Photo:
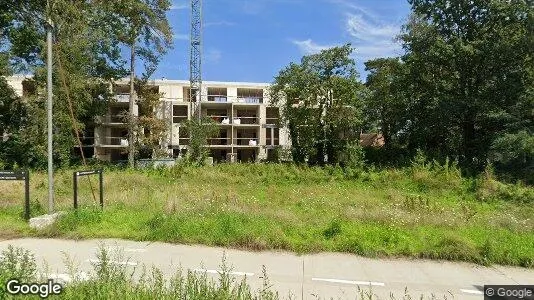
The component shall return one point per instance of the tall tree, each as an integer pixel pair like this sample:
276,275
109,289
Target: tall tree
385,107
143,27
152,127
469,66
86,59
321,104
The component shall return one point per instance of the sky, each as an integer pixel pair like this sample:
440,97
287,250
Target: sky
252,40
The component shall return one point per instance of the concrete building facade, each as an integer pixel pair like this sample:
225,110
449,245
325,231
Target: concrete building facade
249,126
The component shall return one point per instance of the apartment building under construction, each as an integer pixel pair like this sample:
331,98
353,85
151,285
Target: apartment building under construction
248,125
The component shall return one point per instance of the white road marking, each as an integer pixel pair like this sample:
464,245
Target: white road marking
139,250
476,292
63,277
66,278
118,248
129,263
349,281
220,272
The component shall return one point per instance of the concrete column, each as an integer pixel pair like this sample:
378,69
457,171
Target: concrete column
232,94
204,93
262,119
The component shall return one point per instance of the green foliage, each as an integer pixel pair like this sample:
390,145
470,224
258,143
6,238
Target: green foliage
490,189
152,129
385,105
85,60
321,105
427,209
109,280
16,263
87,56
199,132
463,89
514,154
468,70
142,26
333,229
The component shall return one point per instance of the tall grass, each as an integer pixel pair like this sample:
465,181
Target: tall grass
426,210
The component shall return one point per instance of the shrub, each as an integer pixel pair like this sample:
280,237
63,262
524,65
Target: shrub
488,188
16,263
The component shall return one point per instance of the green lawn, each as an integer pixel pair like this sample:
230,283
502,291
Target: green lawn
422,211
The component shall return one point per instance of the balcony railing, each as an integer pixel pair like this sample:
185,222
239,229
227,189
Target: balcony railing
246,141
246,120
217,98
234,99
111,119
219,141
122,98
250,100
113,141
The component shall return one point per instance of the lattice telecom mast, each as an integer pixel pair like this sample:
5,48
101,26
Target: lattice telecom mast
195,60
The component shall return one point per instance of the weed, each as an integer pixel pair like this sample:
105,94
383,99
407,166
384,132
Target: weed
333,229
406,211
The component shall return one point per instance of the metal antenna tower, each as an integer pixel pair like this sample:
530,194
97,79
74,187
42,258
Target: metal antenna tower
195,60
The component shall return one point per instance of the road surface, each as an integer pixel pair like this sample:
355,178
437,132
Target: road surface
324,275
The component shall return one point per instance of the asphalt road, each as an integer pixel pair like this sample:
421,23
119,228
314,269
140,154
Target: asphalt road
324,275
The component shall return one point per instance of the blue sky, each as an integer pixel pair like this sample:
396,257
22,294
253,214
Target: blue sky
251,40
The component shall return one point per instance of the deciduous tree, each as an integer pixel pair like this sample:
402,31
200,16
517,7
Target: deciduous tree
321,105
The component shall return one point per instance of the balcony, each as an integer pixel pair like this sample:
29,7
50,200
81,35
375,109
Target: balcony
224,141
179,114
246,121
248,137
249,100
86,142
250,142
218,98
122,98
113,120
113,142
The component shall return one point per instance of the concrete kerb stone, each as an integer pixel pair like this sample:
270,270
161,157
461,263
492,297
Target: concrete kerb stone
44,221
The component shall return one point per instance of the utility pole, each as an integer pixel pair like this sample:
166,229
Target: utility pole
131,108
49,27
195,62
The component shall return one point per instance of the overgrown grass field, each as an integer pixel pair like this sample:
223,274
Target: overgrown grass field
423,211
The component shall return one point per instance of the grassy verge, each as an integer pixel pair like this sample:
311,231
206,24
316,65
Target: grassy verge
426,211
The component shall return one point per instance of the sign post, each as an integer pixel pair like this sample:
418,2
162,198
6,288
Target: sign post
77,174
23,175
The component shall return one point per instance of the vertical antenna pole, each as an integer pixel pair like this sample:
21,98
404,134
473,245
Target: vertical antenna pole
195,62
49,113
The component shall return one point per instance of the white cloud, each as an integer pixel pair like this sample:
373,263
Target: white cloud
356,8
308,46
219,23
364,30
372,38
213,55
371,35
181,36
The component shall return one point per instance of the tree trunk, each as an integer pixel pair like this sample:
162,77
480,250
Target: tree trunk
131,146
